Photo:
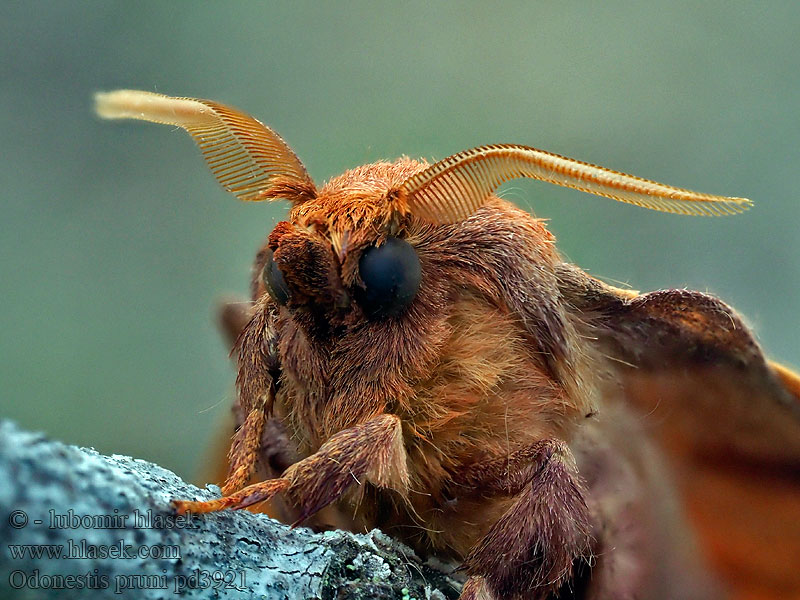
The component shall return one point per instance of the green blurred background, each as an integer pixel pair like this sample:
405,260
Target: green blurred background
117,242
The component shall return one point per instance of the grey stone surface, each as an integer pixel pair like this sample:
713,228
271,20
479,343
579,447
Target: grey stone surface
62,499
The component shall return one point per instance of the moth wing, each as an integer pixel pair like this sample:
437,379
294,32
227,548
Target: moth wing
728,418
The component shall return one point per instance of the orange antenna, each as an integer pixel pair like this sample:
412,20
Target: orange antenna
247,157
455,187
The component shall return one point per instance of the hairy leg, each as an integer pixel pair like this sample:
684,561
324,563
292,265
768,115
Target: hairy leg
257,384
244,452
370,452
531,550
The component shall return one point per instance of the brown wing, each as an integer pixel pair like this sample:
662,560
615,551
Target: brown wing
728,418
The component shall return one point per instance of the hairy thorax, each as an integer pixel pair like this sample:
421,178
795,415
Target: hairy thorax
473,372
477,393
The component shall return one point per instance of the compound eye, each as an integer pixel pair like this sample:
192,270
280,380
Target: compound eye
391,274
274,281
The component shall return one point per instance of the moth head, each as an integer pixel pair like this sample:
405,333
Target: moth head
340,244
345,253
347,250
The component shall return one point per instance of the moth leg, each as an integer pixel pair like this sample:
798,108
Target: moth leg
245,448
370,452
259,373
476,588
248,444
252,494
530,551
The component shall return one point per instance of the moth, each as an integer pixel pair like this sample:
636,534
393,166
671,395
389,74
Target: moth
419,358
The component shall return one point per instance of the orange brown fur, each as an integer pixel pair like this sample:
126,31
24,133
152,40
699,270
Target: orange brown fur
474,395
490,361
469,377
